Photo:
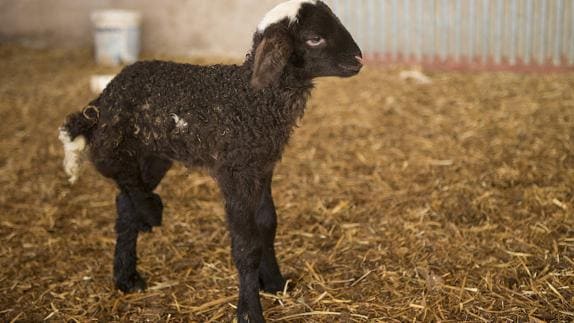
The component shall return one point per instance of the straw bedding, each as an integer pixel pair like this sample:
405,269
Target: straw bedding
451,201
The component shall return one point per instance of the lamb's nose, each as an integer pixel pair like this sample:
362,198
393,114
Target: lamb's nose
359,60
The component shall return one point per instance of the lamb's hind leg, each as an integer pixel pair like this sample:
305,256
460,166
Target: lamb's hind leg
138,208
153,169
126,277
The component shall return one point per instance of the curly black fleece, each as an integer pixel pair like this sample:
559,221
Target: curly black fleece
200,115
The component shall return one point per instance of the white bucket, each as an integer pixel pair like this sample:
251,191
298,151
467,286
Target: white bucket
99,82
117,36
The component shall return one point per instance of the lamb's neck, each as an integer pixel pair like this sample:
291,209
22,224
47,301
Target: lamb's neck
294,87
293,77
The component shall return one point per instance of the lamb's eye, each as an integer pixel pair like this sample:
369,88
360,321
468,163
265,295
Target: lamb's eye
315,41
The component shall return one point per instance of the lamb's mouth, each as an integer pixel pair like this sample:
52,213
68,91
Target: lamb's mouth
351,69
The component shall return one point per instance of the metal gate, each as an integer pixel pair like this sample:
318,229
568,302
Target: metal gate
463,33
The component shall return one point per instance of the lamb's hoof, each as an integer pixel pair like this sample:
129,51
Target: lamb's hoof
273,286
132,283
244,317
144,227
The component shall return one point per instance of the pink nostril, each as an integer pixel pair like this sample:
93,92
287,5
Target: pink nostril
359,59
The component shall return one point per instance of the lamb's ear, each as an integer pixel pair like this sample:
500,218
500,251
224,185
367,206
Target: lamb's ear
271,56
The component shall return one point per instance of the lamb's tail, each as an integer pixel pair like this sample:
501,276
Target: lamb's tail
75,135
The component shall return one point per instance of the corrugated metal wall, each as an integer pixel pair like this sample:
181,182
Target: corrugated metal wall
463,32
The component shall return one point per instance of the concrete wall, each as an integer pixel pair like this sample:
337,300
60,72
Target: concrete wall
180,27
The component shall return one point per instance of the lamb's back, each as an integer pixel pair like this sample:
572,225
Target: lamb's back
194,113
169,85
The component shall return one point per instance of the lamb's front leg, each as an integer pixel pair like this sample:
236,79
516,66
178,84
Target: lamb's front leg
242,194
270,276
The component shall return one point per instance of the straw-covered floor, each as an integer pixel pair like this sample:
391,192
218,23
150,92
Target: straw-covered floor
452,201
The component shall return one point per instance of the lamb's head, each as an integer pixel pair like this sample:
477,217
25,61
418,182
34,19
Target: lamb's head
306,35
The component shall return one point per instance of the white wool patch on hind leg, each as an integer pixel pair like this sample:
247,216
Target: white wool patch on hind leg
288,9
73,154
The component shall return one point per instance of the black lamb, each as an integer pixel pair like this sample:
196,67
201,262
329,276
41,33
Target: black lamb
232,120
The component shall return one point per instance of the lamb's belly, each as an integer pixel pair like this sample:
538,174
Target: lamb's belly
189,149
207,143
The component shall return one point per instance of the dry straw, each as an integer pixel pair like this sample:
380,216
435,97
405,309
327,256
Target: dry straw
450,201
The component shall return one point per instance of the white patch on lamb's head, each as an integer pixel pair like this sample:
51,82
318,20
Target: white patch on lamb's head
288,9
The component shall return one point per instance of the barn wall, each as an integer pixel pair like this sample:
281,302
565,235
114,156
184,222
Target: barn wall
459,32
480,32
182,27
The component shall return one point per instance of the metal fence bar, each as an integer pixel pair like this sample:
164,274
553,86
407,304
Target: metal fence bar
485,31
406,29
513,32
358,22
457,31
566,30
571,57
443,20
569,33
382,46
431,30
497,46
395,30
419,29
559,15
528,30
471,28
371,25
347,10
542,32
